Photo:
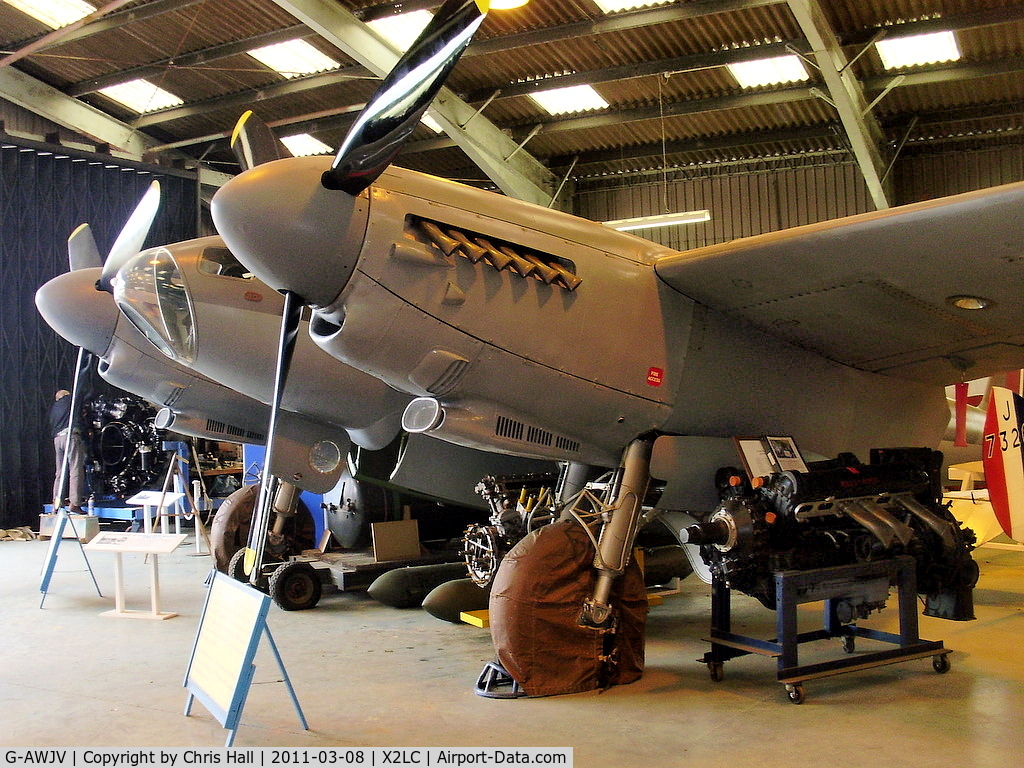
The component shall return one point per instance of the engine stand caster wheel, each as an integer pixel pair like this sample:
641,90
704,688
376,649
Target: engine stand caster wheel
795,693
941,663
717,671
849,643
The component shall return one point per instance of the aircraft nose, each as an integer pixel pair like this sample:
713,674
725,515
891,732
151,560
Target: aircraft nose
294,234
82,315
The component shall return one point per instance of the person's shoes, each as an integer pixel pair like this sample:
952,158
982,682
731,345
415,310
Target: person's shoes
74,509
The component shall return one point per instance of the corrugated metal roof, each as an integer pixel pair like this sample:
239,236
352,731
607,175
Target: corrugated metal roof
671,99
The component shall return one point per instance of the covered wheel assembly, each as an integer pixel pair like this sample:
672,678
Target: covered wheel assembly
230,530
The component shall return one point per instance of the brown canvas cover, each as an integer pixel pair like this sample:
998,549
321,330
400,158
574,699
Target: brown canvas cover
535,605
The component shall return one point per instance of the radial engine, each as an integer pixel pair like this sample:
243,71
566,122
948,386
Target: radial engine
842,512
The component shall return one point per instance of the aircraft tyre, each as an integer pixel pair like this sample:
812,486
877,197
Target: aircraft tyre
235,567
295,586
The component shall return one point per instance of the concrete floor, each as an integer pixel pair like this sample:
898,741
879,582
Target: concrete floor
369,675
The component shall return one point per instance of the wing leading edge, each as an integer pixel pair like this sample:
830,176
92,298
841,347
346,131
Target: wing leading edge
873,291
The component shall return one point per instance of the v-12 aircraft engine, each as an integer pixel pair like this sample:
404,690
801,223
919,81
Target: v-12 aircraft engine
842,512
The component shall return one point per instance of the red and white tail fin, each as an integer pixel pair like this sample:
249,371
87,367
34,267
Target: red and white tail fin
1003,457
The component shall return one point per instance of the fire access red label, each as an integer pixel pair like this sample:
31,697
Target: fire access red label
655,376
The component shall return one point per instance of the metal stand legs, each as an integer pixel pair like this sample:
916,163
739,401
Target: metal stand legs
834,586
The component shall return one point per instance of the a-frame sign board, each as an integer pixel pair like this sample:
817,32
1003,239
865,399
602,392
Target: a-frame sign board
221,668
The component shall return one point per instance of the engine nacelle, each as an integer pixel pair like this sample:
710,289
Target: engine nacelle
842,512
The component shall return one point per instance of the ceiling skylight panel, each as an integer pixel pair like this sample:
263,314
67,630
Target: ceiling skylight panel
403,29
614,6
916,50
774,71
294,58
303,144
431,123
54,13
568,100
141,96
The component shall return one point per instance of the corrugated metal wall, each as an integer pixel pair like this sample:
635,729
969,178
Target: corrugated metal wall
45,192
748,199
743,200
925,176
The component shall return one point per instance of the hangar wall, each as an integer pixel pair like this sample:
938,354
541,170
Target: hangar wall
45,193
748,198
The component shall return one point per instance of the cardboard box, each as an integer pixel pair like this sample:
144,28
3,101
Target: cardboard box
395,540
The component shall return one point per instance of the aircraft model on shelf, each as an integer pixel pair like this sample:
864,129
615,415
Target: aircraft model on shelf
523,330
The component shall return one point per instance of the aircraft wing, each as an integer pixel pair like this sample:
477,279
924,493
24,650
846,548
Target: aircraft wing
874,291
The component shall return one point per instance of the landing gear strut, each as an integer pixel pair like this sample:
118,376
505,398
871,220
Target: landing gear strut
621,521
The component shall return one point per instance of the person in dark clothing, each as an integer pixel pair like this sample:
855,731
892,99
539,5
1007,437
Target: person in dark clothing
67,437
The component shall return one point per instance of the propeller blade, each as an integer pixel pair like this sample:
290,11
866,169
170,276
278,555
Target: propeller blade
400,101
253,559
254,143
82,250
132,236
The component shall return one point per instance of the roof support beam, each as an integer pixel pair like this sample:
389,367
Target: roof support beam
48,102
520,176
862,130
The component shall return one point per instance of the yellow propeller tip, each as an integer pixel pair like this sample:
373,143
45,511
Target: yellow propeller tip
240,125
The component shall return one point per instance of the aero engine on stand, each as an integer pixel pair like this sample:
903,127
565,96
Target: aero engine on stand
845,533
842,512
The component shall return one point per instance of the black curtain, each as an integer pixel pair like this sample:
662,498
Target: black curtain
45,193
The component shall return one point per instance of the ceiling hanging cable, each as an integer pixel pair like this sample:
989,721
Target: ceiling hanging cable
664,147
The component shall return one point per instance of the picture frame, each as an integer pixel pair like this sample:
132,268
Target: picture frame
767,454
783,453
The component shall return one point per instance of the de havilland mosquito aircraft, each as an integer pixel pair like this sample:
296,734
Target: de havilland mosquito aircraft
522,330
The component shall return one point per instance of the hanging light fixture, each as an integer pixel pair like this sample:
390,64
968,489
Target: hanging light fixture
659,220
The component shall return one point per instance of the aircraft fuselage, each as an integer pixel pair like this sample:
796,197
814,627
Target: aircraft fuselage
540,333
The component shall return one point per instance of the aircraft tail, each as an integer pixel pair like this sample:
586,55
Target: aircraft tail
1003,457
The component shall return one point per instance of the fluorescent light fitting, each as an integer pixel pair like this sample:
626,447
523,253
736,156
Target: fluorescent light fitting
573,98
293,58
507,5
403,29
915,50
303,144
659,220
614,6
141,96
773,71
54,13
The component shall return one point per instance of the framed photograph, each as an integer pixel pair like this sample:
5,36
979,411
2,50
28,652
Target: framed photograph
768,454
783,453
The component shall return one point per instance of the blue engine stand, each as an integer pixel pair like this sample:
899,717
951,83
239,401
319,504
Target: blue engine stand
832,585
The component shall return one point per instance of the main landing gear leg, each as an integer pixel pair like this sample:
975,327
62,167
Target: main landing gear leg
621,522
